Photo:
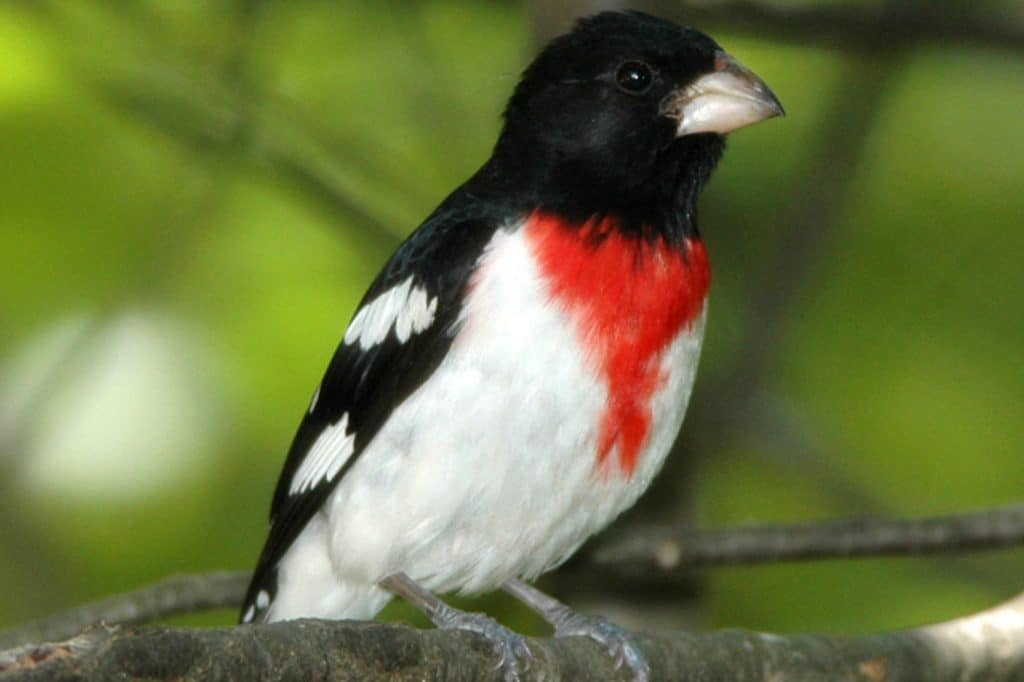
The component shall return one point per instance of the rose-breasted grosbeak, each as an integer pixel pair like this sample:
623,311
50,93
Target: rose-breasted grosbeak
516,374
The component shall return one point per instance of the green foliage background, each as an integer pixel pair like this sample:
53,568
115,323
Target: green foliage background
194,195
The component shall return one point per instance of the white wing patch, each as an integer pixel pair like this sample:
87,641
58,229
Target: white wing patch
404,307
325,459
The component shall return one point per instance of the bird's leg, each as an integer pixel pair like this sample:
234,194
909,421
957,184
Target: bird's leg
568,623
511,646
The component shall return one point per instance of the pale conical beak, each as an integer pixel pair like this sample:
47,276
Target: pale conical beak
727,99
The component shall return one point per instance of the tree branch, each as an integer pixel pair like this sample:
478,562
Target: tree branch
664,551
988,646
170,597
677,550
856,27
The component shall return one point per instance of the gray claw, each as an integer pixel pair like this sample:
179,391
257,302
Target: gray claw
617,642
511,647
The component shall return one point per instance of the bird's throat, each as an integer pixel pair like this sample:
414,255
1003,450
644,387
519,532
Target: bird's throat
629,297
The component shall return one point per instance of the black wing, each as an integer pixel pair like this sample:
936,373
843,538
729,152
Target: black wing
368,384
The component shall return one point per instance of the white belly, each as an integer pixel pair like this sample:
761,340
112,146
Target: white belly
490,471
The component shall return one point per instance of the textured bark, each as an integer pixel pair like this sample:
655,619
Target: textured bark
988,646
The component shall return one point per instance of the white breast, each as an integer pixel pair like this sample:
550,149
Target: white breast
489,471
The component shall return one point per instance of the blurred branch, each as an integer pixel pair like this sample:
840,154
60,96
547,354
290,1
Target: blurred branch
166,88
636,550
795,444
551,19
170,597
815,216
316,649
207,122
679,549
793,440
861,27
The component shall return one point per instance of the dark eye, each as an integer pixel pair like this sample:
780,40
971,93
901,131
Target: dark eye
634,78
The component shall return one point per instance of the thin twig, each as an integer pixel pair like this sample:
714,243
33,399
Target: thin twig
681,549
203,120
860,27
170,597
666,550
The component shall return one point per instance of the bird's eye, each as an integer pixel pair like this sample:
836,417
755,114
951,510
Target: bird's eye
634,78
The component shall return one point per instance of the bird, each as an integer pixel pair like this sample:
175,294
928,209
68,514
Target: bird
516,374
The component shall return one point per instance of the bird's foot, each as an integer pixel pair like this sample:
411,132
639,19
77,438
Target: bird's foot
512,647
618,642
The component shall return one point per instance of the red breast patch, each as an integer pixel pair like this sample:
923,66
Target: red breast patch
630,297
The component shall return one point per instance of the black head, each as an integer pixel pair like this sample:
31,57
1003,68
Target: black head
626,114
